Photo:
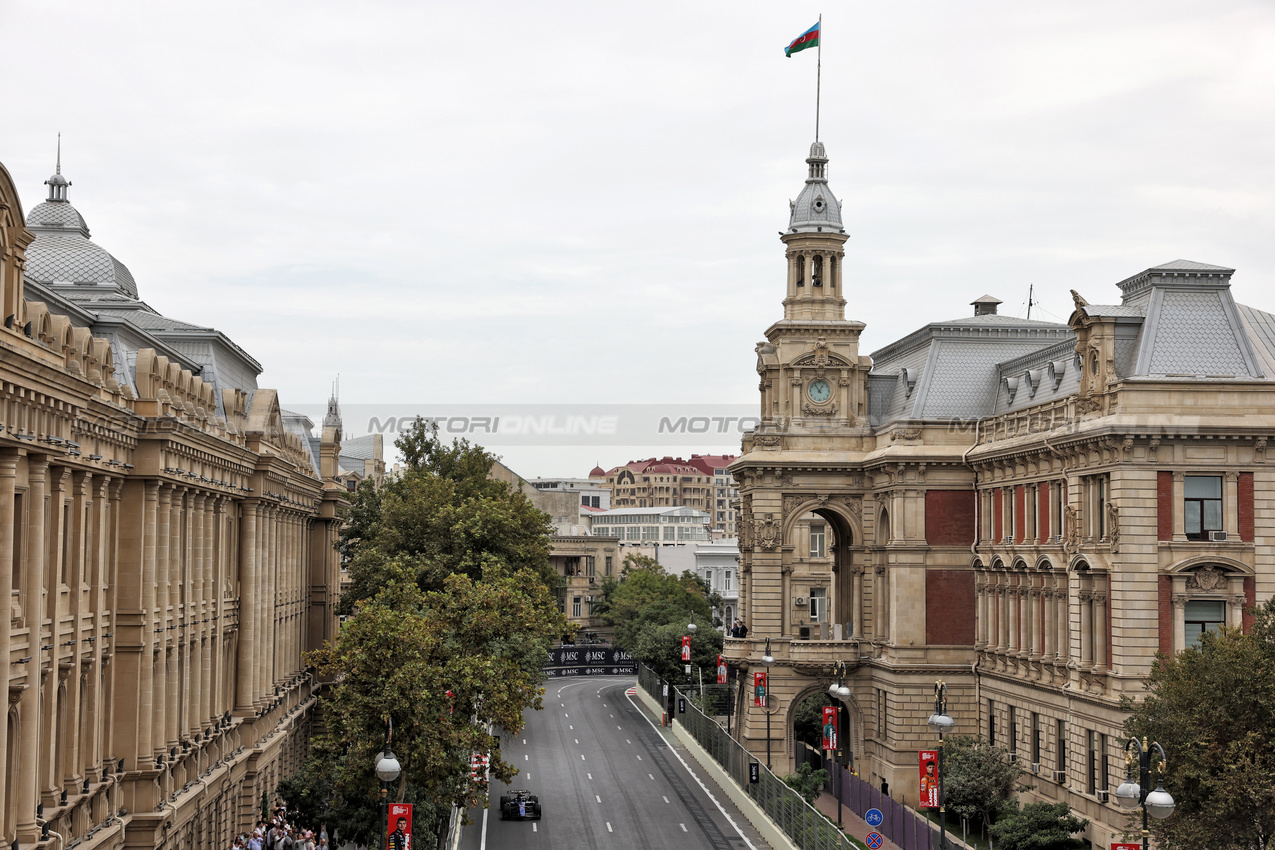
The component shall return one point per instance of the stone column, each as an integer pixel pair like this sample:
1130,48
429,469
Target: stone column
1230,504
1002,614
1100,631
1179,508
1086,629
151,699
194,714
1049,625
856,597
8,522
246,664
1014,603
1062,616
29,707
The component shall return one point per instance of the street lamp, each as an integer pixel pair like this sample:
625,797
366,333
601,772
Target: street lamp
839,691
940,721
1158,803
387,770
767,659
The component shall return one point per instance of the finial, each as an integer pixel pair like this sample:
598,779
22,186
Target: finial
59,171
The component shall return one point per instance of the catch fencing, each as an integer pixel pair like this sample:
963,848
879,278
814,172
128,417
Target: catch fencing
808,828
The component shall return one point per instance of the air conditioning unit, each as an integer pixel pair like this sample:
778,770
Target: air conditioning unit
1217,536
591,579
588,599
1102,796
1060,776
798,601
803,633
1035,767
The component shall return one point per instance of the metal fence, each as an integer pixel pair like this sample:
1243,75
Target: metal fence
901,825
808,828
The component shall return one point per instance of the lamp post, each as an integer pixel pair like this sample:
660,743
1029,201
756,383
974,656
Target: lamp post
1158,803
839,691
767,660
387,770
941,722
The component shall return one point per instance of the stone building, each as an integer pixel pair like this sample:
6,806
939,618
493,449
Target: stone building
704,482
1025,510
167,535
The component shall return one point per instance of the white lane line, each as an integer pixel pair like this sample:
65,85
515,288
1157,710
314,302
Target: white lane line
590,775
627,741
582,759
529,774
640,758
609,829
612,716
533,826
569,726
482,842
596,797
524,743
604,705
564,714
577,740
621,728
665,798
652,775
683,826
526,757
726,815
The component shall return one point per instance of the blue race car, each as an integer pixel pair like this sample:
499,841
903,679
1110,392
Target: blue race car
519,805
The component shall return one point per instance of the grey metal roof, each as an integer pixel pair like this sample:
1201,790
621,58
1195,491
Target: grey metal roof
1116,310
815,208
56,214
1190,266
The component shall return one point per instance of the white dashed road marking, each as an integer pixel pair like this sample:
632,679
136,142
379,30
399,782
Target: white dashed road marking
609,829
683,826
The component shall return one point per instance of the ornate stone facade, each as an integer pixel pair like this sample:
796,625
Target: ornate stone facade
168,545
1026,510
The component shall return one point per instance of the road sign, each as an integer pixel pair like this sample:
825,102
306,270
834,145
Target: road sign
681,705
873,817
666,689
754,772
874,840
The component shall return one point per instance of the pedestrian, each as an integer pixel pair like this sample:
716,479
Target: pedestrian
743,629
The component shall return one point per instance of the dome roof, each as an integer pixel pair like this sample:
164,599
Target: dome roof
62,252
816,208
598,472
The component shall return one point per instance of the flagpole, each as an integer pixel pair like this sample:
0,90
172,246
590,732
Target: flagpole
818,75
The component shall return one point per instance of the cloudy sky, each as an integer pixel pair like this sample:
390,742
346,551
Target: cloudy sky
566,202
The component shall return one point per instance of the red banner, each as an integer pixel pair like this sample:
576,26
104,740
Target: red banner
400,825
1126,847
686,647
721,670
759,690
929,767
830,727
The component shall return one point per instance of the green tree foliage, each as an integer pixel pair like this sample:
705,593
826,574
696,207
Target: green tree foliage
1212,708
1038,826
978,779
650,610
807,719
453,615
807,781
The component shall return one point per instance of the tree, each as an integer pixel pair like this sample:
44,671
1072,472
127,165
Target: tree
1212,708
453,611
807,781
1038,826
807,719
978,778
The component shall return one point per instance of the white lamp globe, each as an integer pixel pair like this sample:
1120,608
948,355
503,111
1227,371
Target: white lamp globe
844,692
941,723
1129,794
1159,803
388,768
832,689
690,627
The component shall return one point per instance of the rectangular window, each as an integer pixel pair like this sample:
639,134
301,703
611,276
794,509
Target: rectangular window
1091,765
1035,738
726,580
588,565
575,606
1056,510
1013,731
818,604
66,545
670,532
1104,763
817,541
708,578
1062,746
19,523
991,723
1203,505
1203,615
608,566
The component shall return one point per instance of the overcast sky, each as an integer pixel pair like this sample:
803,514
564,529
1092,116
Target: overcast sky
579,202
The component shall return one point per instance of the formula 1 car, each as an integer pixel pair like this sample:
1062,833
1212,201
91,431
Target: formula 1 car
519,805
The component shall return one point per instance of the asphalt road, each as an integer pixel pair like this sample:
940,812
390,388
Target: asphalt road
606,777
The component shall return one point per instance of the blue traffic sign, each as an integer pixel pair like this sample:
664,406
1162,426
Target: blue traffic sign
873,817
874,841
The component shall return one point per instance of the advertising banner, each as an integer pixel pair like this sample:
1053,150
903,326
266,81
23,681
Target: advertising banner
686,647
400,837
929,767
721,670
759,689
830,727
1126,847
589,661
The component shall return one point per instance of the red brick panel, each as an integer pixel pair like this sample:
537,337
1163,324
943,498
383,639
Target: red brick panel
949,607
998,515
1020,512
1166,614
1045,531
1245,514
1164,506
949,517
1250,600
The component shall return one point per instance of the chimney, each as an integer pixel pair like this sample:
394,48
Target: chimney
985,306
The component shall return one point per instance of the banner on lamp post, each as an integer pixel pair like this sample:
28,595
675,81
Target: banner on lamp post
400,837
721,670
686,647
929,768
830,727
759,689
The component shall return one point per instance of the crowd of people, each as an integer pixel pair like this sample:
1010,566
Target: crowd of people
279,833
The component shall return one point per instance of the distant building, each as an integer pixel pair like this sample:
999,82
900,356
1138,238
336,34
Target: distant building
591,493
702,482
653,526
717,563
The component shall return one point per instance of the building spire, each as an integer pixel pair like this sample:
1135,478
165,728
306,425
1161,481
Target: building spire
57,183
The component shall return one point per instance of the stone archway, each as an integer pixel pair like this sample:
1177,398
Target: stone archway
844,545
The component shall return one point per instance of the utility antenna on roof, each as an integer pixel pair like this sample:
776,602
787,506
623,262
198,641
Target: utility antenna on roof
59,171
1030,289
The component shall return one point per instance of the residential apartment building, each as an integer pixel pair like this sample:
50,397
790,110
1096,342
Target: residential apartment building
1026,510
703,482
167,531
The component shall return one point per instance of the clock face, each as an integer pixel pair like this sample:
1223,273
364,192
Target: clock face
820,391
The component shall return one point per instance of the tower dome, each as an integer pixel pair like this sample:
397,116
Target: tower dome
62,253
816,208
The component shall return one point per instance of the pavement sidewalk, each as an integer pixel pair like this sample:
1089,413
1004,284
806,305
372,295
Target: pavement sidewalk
852,823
